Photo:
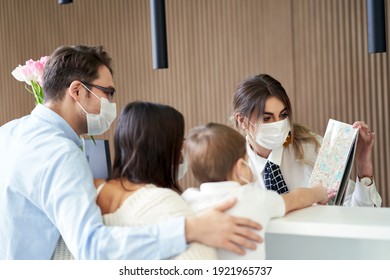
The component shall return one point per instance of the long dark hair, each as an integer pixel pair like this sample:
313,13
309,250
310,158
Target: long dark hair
148,142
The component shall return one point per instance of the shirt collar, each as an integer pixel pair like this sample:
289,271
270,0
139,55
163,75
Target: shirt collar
48,115
275,156
218,187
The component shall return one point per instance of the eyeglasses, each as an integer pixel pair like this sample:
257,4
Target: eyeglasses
109,91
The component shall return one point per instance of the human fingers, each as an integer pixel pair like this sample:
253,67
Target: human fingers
364,129
238,244
234,248
367,136
361,124
236,235
331,192
370,136
243,223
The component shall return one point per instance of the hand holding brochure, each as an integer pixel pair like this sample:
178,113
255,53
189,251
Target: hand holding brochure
335,158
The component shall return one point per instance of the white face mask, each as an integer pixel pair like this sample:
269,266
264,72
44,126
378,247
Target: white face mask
99,123
272,135
182,168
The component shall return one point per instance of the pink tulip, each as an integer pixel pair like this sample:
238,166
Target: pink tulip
31,72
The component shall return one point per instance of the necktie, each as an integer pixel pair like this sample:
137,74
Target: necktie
273,178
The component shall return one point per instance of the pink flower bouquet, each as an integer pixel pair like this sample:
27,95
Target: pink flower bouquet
31,74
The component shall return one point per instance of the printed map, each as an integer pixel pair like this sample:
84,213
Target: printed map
335,158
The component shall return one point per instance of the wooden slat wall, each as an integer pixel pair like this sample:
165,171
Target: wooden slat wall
317,48
336,77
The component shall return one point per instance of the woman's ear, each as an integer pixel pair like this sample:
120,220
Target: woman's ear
241,121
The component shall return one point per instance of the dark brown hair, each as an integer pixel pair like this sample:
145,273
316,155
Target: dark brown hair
250,98
69,63
148,142
253,92
212,151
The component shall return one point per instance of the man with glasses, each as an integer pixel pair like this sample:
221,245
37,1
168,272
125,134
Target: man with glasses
46,185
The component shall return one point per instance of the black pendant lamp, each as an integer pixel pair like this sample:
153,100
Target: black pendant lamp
376,26
159,34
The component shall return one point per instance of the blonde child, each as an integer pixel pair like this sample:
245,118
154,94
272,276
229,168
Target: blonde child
217,157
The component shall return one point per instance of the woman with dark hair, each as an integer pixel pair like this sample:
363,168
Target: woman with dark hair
144,188
148,143
283,153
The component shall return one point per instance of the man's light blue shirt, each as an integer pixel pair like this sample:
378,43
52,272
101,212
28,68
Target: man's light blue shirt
46,190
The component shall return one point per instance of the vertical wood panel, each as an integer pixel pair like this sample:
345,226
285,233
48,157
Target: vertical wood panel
340,79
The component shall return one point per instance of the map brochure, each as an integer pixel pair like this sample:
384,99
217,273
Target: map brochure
335,158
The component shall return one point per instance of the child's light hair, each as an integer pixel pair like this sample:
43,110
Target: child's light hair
212,151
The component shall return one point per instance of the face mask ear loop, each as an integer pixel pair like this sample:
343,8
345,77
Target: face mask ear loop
250,134
240,177
246,163
247,129
243,179
81,107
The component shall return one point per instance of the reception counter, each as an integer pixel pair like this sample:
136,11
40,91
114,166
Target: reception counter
330,233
